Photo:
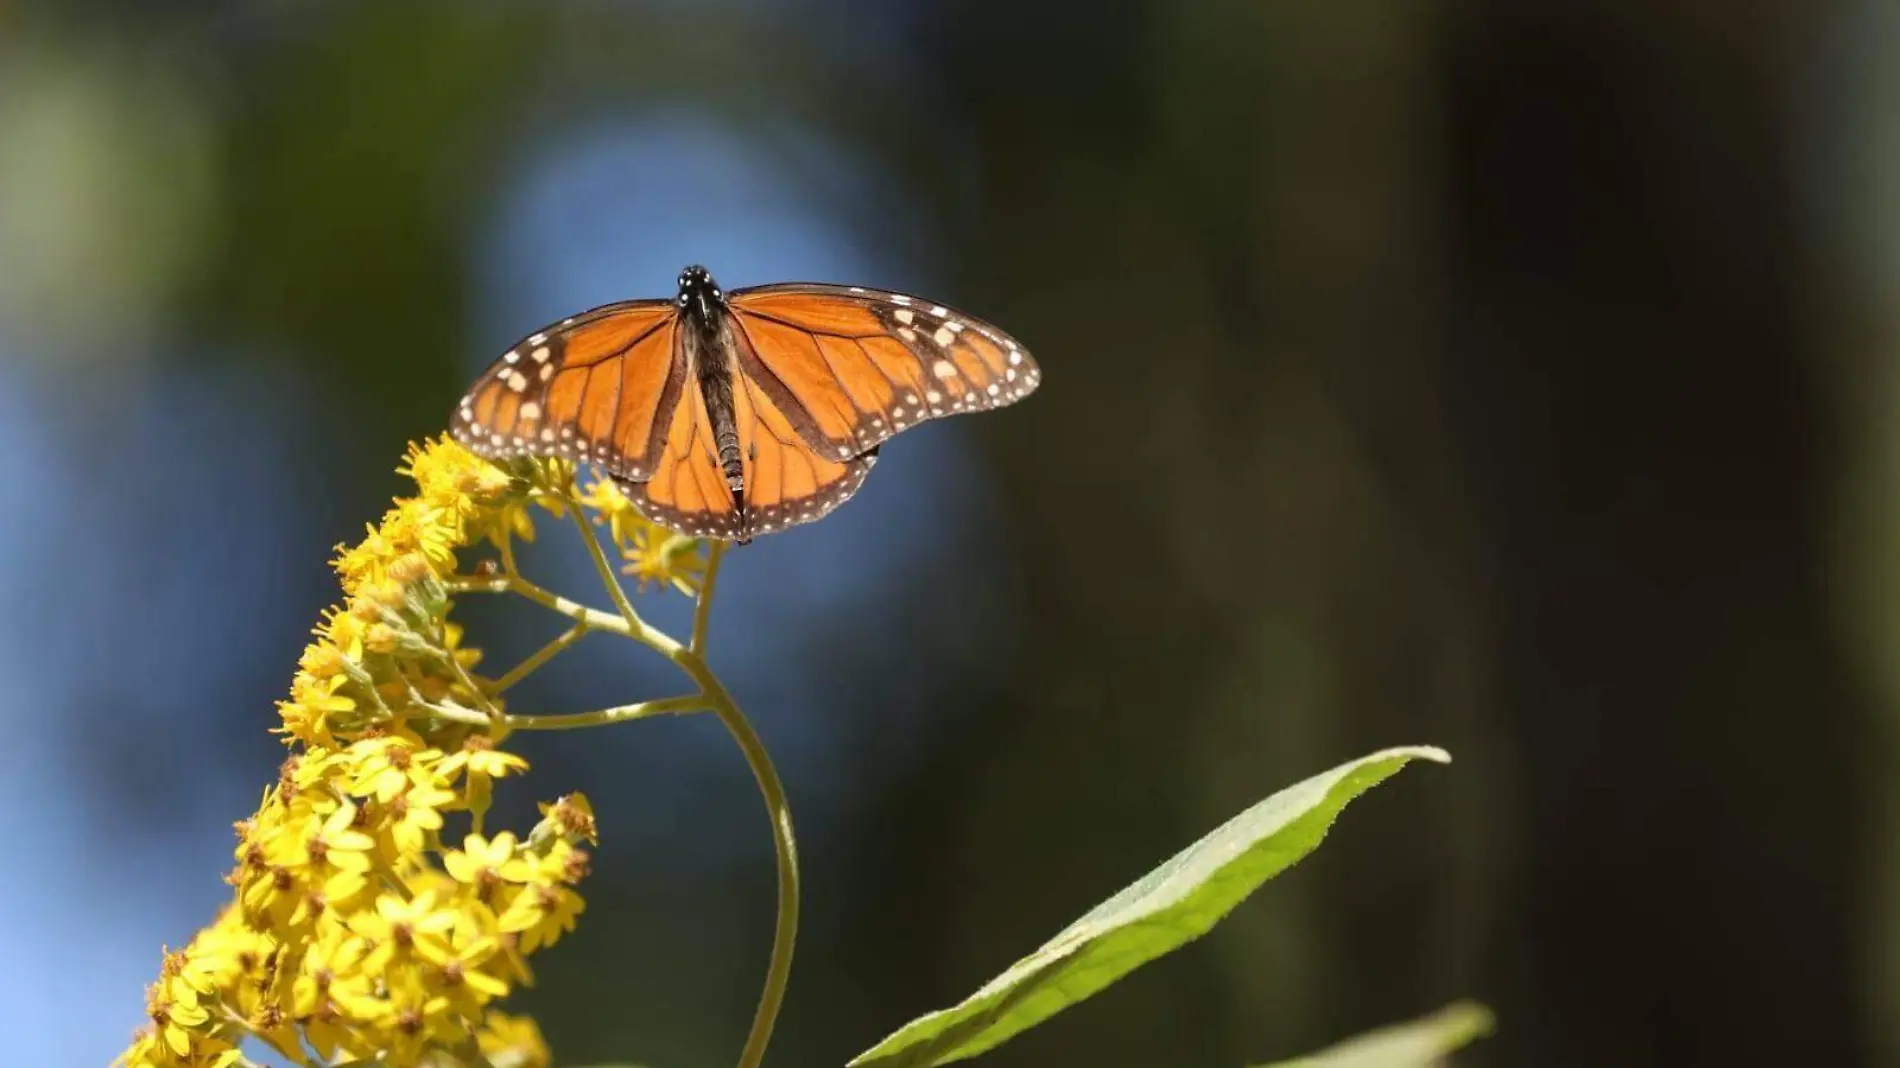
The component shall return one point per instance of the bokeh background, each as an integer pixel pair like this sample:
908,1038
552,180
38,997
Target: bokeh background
1517,377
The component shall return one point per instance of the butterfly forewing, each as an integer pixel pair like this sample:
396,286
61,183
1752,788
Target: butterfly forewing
597,388
852,366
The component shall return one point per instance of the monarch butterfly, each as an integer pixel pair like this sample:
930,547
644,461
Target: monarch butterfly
725,415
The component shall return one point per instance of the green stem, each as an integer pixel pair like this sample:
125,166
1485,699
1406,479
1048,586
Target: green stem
665,706
702,605
553,602
713,695
541,656
467,680
778,971
607,576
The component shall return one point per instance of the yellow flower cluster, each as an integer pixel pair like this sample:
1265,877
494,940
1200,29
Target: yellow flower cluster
360,929
653,554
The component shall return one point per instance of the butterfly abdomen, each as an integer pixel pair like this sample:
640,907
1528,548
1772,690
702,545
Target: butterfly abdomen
716,385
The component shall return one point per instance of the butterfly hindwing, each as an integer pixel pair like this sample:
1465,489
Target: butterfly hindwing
687,491
787,482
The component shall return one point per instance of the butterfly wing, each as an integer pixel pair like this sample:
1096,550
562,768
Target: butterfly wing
785,481
602,387
821,375
687,491
847,367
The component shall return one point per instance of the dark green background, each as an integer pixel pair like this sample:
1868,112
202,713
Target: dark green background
1515,377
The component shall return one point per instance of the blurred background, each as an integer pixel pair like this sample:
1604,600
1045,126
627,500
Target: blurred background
1519,378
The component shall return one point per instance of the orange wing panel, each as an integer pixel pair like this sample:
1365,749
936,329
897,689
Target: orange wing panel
601,404
564,396
793,355
897,363
867,387
505,407
612,333
988,350
813,312
972,367
644,372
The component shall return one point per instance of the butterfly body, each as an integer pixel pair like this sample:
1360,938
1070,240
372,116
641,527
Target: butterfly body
731,414
708,341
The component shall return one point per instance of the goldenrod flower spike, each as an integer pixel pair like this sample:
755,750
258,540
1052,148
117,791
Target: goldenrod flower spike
373,918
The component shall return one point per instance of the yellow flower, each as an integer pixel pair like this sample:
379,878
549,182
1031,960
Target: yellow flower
352,931
327,1029
452,478
313,706
323,661
366,562
460,978
572,817
272,894
415,815
146,1051
335,852
482,863
544,908
391,764
336,953
653,553
479,755
410,1019
174,1022
396,926
268,1022
513,1042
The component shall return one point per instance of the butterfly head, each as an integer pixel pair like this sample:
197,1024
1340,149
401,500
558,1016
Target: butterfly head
699,294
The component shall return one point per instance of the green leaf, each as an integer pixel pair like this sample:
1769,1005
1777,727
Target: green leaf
1164,910
1426,1042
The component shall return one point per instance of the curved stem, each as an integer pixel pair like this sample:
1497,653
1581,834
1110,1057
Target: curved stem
689,659
778,971
785,847
702,605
